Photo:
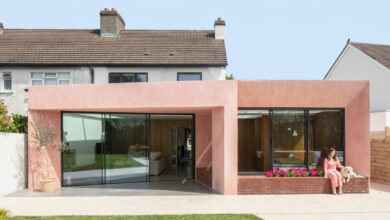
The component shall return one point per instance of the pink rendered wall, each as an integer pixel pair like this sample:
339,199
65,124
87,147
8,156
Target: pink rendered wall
221,99
203,140
38,122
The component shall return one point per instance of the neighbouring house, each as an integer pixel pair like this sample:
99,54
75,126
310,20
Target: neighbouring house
225,134
111,54
362,61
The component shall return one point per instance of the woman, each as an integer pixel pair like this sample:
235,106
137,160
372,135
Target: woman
330,164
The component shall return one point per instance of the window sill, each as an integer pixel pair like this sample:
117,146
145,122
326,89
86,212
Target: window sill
6,92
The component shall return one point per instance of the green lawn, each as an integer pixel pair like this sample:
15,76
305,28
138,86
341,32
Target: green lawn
150,217
113,161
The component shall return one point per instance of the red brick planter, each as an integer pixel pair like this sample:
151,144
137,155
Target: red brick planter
204,176
296,185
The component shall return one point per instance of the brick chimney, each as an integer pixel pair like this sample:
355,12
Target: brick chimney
1,28
219,26
111,23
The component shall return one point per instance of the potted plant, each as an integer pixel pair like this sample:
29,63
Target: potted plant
46,142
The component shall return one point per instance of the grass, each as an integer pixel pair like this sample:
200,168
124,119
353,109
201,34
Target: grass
113,161
149,217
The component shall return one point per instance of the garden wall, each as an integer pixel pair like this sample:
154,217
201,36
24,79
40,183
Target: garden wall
13,158
296,185
380,163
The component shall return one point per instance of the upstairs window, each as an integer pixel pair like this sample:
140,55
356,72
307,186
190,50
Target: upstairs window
50,78
127,77
6,84
189,76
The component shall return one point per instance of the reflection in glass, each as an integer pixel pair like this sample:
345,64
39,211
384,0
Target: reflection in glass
189,76
325,131
288,130
82,158
126,148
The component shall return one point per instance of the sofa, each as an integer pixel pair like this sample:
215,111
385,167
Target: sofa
157,163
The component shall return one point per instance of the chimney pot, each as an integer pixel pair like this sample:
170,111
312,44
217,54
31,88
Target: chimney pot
219,26
105,9
1,28
113,9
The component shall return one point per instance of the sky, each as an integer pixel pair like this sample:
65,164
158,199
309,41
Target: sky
278,39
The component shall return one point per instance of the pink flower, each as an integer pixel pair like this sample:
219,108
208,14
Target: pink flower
276,168
268,174
291,169
304,169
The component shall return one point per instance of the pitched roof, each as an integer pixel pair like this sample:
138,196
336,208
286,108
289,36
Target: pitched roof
378,52
131,47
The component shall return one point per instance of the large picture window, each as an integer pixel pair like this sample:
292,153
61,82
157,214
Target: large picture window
127,77
287,138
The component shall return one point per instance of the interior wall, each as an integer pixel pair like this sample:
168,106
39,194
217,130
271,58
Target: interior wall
249,141
161,135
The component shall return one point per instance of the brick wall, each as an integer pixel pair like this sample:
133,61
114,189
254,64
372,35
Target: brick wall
296,185
204,176
380,163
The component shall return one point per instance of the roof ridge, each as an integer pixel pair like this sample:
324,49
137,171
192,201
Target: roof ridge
354,42
84,29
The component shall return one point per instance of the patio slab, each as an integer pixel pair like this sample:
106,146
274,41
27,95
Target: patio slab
161,188
374,205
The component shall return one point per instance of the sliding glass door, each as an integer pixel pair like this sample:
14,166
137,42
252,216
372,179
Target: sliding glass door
126,148
83,158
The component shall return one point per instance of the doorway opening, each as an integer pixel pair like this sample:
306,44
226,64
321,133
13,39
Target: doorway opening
106,148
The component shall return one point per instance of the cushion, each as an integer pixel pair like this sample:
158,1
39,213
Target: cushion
155,156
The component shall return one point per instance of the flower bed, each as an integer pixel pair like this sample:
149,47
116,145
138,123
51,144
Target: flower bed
297,185
293,172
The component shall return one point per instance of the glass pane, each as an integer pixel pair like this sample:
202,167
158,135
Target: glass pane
189,76
36,82
82,156
50,81
37,75
63,75
114,78
50,75
141,77
288,130
126,147
6,75
325,131
253,141
128,77
7,84
63,82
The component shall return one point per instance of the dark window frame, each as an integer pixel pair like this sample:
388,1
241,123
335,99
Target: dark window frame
271,148
122,73
189,73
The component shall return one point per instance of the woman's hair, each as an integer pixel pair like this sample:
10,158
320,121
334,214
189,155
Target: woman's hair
330,150
320,161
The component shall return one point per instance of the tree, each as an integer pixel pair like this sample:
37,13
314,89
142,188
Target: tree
6,124
231,77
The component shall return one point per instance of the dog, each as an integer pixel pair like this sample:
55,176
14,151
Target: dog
347,173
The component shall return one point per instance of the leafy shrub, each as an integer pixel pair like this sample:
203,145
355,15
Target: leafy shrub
20,123
4,214
6,124
14,124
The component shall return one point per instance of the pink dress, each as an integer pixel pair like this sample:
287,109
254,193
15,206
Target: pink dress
334,175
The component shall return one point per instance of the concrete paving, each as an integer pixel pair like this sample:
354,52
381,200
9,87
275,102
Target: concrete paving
375,205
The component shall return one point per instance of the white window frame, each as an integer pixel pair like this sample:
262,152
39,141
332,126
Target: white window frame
2,81
42,80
